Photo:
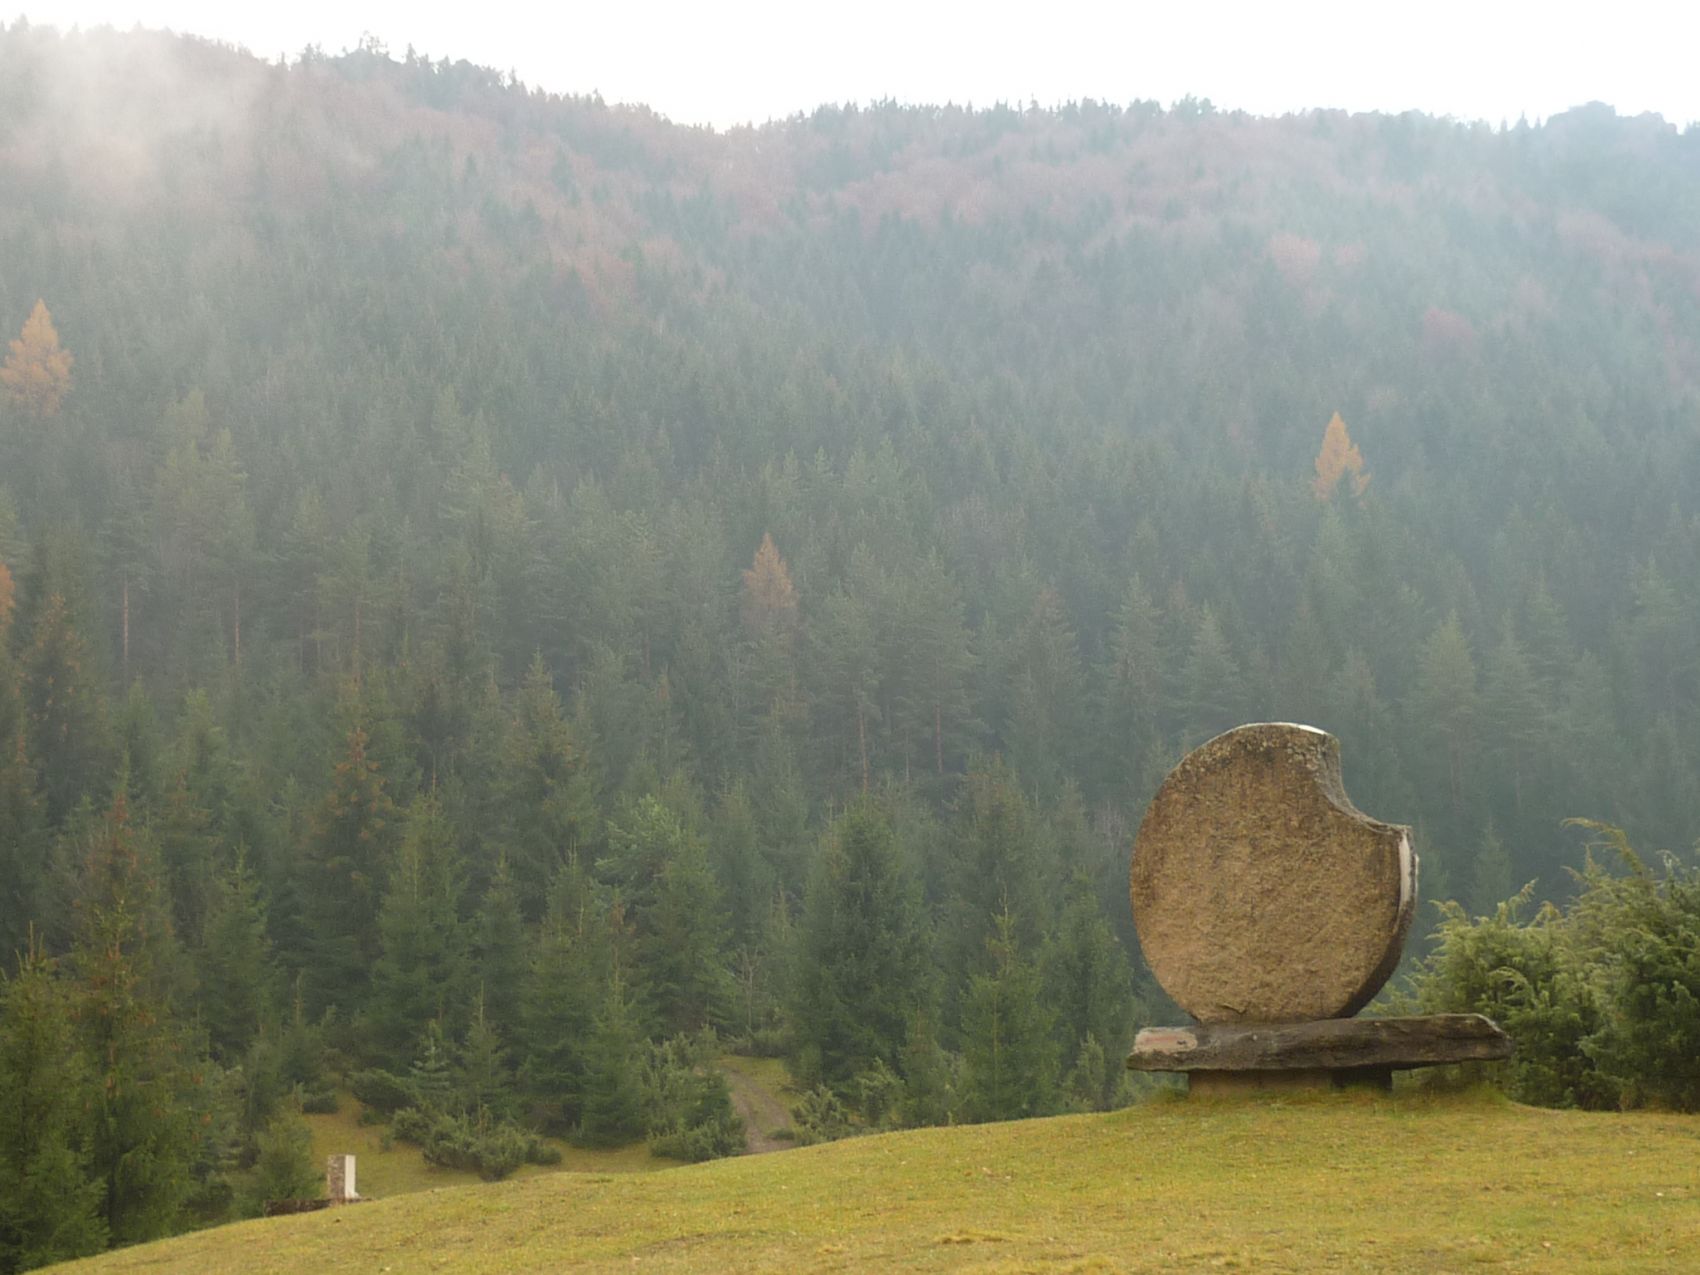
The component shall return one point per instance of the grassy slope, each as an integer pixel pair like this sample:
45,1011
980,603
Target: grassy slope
1336,1182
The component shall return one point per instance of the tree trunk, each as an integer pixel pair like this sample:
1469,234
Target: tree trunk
862,742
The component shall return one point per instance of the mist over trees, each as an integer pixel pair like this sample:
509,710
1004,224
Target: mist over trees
496,587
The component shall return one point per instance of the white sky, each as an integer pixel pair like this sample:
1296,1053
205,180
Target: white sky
729,61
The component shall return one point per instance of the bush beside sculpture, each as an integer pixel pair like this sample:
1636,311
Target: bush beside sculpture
1603,995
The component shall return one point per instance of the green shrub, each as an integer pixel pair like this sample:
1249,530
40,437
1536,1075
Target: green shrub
820,1117
687,1106
1642,931
322,1103
285,1169
1602,998
1528,978
382,1091
491,1149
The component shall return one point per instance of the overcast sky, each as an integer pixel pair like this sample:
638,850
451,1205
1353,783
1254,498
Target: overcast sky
724,62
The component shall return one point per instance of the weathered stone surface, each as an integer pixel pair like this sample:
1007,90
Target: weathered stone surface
339,1179
1326,1046
1261,894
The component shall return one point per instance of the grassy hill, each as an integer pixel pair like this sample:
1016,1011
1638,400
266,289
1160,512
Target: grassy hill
1358,1182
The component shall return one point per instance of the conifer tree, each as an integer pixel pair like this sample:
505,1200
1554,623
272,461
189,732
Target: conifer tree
928,1096
683,935
65,713
238,980
1211,683
499,951
1445,702
1088,983
485,1074
1339,456
546,806
769,598
23,842
421,969
997,862
50,1200
36,375
144,1132
431,1073
861,971
1009,1058
284,1168
613,1093
343,883
569,966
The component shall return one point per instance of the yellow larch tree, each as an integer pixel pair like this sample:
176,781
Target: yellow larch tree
770,600
37,372
1339,456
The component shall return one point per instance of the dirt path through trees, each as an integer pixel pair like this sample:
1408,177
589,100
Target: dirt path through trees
761,1111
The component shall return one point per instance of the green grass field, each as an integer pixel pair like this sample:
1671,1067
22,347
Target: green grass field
1326,1182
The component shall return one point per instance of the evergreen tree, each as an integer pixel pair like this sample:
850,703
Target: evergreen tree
1445,702
485,1074
284,1168
998,861
430,1075
683,937
1009,1058
23,842
1211,685
1088,985
546,808
499,950
568,968
420,972
929,1095
50,1200
65,714
861,971
613,1092
344,877
143,1137
238,979
1490,874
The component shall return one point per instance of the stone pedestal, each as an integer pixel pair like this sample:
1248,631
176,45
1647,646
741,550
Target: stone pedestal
1333,1053
339,1179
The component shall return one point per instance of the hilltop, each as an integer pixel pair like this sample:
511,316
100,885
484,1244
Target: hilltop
1324,1183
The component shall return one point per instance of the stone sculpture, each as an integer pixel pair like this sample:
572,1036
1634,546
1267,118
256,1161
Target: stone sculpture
1272,910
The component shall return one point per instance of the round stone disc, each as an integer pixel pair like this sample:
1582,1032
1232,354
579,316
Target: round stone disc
1261,894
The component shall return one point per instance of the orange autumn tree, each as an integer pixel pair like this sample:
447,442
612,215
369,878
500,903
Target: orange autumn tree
7,599
770,600
1339,456
37,372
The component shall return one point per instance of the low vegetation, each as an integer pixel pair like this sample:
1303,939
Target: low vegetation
1601,995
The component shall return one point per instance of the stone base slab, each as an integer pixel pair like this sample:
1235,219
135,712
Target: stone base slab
1327,1052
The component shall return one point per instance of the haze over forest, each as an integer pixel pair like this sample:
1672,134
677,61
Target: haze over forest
496,573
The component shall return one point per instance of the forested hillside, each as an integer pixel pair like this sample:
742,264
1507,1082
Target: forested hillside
493,584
